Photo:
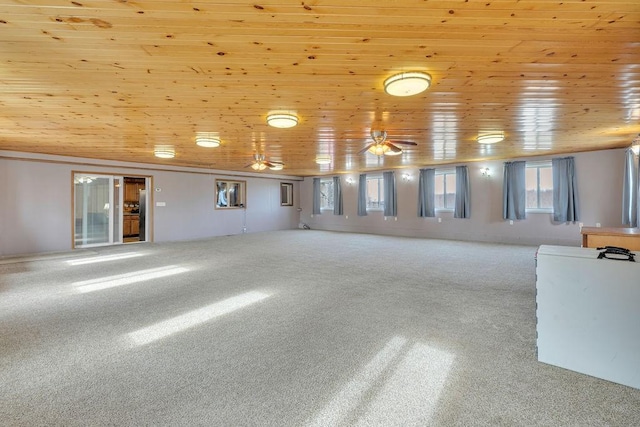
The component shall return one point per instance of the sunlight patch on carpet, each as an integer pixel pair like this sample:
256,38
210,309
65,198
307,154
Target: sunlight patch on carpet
348,398
410,397
193,318
126,278
399,386
104,258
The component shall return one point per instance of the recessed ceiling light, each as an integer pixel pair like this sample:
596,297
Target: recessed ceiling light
282,120
323,159
407,84
490,137
164,151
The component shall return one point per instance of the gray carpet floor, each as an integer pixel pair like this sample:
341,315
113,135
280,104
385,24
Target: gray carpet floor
291,328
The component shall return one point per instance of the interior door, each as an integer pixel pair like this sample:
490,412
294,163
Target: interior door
93,210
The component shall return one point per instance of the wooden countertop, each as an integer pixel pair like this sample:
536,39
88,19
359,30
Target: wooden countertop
595,237
611,231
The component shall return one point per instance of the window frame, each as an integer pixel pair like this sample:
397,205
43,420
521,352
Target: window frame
444,172
538,164
242,203
380,179
286,194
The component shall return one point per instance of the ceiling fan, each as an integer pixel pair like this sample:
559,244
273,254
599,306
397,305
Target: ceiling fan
260,163
380,146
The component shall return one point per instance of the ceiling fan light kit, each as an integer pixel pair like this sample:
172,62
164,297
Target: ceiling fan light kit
260,163
164,151
378,149
490,137
381,147
282,120
407,84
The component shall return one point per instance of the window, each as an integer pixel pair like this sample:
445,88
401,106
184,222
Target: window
286,194
326,193
445,189
230,194
539,185
375,193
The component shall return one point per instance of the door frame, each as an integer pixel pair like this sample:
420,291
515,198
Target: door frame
115,236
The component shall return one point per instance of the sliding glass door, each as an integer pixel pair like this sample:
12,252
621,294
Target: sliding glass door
96,214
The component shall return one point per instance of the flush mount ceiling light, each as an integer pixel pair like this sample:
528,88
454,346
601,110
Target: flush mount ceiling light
407,84
490,137
323,159
164,151
208,141
282,120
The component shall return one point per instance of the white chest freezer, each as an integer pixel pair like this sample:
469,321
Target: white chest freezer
588,313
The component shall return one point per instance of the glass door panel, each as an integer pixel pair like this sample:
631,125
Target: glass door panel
93,199
117,209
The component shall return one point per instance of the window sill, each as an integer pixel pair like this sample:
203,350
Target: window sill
444,210
539,211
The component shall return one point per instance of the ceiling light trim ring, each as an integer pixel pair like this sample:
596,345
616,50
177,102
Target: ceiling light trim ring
323,159
407,84
164,152
282,120
207,142
490,137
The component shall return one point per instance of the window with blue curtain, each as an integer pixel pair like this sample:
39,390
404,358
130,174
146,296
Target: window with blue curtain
565,190
631,190
463,201
362,195
514,193
390,198
337,196
426,193
316,196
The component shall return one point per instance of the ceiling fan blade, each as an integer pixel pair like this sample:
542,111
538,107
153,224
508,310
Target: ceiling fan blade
366,148
403,142
393,148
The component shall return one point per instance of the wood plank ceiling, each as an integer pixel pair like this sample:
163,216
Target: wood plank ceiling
112,79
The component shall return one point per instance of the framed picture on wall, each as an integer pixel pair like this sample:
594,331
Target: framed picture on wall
286,194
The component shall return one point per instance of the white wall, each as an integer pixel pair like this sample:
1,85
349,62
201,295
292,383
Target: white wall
36,203
600,192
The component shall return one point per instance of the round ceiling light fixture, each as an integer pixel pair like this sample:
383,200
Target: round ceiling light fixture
282,120
490,137
207,141
164,151
407,84
323,159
